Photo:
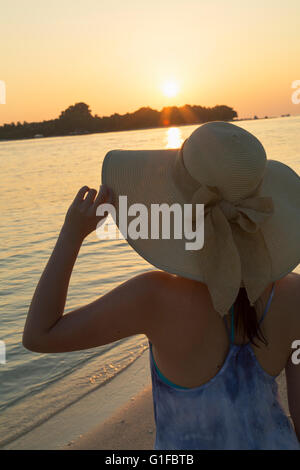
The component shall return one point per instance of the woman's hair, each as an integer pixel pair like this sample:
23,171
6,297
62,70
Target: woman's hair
245,318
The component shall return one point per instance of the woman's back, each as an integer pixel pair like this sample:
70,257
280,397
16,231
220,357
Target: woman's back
232,387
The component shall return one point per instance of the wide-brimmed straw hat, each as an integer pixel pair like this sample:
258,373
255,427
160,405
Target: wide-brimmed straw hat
251,205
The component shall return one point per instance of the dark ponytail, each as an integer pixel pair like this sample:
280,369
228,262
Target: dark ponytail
245,318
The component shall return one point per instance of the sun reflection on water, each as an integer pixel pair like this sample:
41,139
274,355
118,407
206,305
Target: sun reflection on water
173,138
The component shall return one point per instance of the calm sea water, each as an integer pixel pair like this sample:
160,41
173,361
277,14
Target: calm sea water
39,179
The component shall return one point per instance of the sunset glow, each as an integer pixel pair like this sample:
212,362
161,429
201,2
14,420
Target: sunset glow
110,56
170,89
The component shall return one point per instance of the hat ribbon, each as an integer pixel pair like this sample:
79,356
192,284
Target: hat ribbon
234,250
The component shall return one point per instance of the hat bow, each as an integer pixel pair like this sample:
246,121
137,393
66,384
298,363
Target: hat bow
234,251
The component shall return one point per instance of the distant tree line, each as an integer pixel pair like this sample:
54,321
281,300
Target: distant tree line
78,119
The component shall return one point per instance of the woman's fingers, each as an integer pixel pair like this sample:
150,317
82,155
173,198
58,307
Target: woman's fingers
88,201
79,196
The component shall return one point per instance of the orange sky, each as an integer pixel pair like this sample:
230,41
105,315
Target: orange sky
115,55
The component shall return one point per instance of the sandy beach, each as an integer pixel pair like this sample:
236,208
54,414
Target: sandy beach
117,416
130,427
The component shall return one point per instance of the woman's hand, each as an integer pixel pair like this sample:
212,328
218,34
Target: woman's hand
81,218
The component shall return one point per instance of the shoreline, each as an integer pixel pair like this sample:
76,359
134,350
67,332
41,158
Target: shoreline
90,411
138,129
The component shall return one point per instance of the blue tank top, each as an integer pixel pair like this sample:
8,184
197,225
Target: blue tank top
239,408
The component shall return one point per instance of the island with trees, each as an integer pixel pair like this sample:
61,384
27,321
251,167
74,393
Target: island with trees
78,119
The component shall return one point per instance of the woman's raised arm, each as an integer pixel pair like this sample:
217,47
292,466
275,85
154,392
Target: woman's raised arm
125,311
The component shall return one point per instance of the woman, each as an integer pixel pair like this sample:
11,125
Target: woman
221,320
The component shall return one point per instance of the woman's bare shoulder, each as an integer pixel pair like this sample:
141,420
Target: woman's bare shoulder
169,291
167,282
170,286
172,280
290,278
153,280
288,301
290,285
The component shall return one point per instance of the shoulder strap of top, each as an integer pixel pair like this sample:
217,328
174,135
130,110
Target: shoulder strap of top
268,304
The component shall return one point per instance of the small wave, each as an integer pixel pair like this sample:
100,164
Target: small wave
33,410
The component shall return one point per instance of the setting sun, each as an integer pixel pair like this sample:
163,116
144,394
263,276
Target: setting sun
170,89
